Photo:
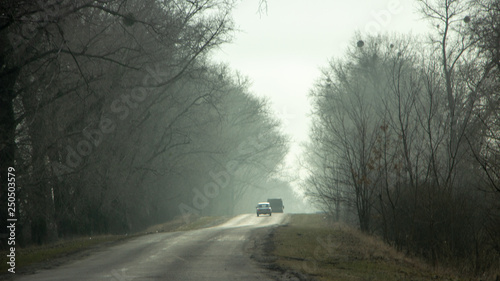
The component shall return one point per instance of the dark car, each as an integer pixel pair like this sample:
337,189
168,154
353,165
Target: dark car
276,205
264,208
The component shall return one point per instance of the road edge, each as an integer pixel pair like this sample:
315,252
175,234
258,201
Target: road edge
85,252
260,247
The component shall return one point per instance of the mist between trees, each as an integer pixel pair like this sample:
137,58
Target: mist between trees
113,114
405,139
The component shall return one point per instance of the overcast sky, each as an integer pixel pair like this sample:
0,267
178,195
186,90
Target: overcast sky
282,51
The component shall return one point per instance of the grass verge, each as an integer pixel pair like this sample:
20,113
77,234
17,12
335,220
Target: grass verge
311,246
44,256
44,253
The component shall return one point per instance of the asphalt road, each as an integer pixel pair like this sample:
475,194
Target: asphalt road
216,253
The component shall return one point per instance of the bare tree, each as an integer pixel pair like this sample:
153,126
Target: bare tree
74,62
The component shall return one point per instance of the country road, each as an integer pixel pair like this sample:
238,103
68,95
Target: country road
216,253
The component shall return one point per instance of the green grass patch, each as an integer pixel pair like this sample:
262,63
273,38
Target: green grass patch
311,245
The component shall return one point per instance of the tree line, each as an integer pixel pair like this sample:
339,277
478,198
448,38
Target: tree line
115,118
405,138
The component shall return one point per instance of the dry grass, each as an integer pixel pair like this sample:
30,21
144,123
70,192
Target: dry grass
338,252
37,254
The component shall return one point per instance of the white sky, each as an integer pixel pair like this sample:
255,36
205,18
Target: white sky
282,51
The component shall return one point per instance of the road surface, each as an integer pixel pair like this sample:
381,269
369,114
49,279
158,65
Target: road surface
216,253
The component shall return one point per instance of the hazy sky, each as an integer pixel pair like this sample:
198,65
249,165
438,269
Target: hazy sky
282,51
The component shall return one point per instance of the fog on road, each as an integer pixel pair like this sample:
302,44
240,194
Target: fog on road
216,253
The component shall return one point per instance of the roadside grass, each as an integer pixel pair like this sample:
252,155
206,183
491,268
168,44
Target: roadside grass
38,254
43,253
311,245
